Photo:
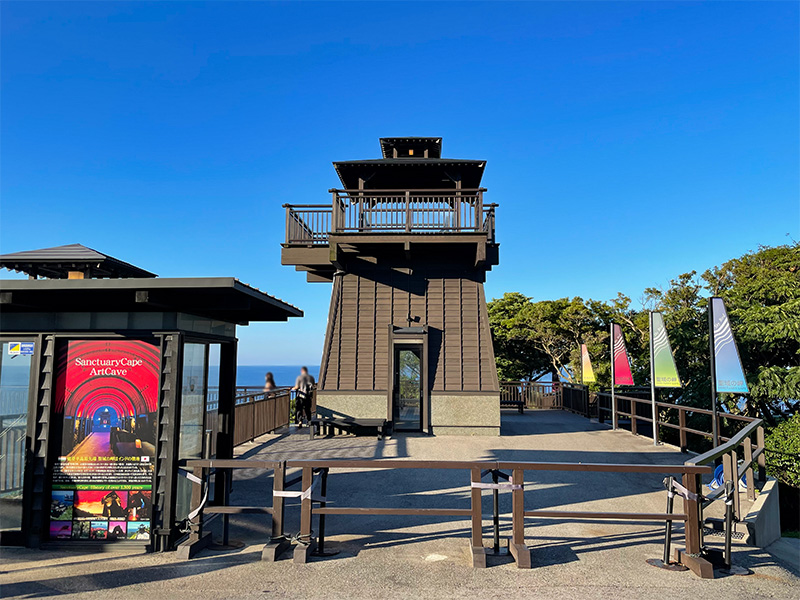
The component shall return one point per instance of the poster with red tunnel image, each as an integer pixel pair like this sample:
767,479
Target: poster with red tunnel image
106,399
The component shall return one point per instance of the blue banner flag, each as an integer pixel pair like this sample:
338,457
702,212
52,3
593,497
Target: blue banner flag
728,371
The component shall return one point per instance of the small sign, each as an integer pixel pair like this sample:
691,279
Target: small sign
20,348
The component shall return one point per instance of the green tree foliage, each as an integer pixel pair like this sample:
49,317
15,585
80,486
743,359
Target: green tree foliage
762,293
783,451
761,290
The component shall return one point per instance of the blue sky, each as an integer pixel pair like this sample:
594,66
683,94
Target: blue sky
625,143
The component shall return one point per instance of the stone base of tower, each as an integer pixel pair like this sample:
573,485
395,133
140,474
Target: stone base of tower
453,413
465,414
357,405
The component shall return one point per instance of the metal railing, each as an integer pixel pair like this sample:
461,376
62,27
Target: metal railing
390,211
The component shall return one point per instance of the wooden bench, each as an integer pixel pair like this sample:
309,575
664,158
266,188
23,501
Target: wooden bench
326,425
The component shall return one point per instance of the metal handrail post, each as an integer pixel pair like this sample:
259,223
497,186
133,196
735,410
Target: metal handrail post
496,512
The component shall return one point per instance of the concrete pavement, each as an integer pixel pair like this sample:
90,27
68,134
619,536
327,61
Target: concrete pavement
399,557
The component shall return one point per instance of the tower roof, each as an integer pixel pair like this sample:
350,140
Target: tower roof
410,163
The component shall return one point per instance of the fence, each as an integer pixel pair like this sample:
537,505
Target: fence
639,409
390,211
260,413
530,394
575,398
314,477
735,470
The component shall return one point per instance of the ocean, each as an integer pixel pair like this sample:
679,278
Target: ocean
253,375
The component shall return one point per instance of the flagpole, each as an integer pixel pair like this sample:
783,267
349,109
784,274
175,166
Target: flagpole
613,399
714,432
653,385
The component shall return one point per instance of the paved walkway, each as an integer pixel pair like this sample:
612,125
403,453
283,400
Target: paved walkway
398,557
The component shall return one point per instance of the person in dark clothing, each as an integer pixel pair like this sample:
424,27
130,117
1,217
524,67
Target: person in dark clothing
304,387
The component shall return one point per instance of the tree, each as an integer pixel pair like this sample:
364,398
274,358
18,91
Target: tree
761,290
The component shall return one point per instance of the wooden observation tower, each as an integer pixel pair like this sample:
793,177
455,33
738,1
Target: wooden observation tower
407,243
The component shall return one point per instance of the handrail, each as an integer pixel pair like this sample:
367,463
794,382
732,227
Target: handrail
312,468
409,211
725,448
200,468
441,191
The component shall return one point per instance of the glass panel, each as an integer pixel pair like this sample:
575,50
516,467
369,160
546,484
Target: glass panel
409,378
212,395
190,426
15,374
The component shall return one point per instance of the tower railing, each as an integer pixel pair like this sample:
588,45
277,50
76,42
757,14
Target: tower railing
390,211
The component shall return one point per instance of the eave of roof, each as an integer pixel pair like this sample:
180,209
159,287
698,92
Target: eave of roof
177,294
61,258
353,166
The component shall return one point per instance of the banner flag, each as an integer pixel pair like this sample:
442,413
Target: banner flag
587,373
665,371
728,371
622,365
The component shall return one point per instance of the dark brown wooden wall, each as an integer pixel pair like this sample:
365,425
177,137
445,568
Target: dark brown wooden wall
450,301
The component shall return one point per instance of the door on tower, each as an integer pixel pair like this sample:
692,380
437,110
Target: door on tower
407,394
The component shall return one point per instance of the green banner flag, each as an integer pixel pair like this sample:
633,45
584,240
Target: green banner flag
665,371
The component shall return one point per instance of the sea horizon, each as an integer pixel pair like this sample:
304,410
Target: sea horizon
253,375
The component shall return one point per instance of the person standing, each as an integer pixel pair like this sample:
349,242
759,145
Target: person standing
269,383
303,386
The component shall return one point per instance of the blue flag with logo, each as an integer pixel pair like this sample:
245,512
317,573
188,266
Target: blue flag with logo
728,370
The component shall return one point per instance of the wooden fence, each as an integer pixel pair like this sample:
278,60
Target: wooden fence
313,491
259,413
576,398
530,394
640,410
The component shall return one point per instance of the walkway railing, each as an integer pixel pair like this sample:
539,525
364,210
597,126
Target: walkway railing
313,491
530,394
390,211
576,399
734,469
256,413
260,413
640,410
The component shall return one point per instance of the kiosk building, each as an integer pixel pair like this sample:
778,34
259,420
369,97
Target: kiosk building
108,380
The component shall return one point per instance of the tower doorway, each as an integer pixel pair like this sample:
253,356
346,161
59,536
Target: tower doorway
407,393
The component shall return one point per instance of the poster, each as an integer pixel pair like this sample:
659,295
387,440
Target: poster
106,399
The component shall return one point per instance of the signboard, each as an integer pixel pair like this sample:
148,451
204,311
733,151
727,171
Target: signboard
102,482
20,348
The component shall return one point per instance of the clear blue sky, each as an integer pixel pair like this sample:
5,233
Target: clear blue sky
626,143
